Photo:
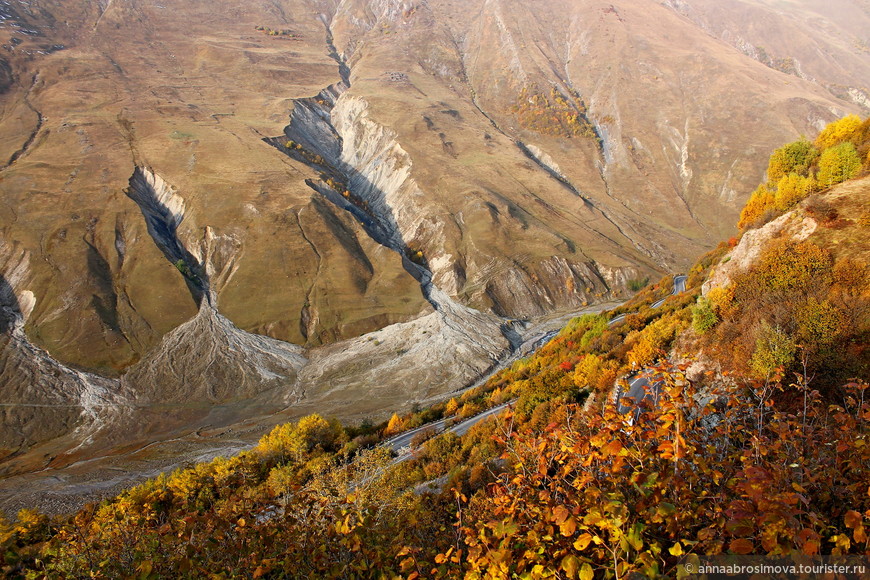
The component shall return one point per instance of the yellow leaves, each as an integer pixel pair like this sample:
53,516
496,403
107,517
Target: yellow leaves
451,556
761,200
643,353
838,131
588,371
347,525
395,425
583,541
794,158
634,538
838,164
406,564
842,544
296,439
819,322
570,565
573,568
145,568
676,550
722,300
791,189
505,528
599,439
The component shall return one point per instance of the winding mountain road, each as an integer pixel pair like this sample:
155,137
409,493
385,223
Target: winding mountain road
679,286
401,443
640,386
639,391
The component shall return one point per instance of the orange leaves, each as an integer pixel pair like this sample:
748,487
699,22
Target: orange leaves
855,522
613,448
666,449
563,518
809,542
741,546
588,495
853,519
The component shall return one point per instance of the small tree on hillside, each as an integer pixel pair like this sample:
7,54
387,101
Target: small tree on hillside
395,425
795,157
838,131
838,164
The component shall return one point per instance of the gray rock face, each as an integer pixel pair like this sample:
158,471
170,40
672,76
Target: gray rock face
794,225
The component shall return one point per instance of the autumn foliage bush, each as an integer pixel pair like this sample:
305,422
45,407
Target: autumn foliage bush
797,170
797,308
700,474
554,113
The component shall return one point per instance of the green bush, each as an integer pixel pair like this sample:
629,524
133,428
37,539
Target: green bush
838,164
703,316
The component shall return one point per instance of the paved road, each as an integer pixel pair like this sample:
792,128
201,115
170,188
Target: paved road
639,387
401,443
679,286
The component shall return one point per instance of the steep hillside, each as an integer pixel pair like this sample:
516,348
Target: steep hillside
821,42
250,208
736,452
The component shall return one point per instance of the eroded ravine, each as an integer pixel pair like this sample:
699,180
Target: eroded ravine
209,371
366,172
163,210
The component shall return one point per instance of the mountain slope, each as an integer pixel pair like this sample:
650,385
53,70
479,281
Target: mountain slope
715,464
182,175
